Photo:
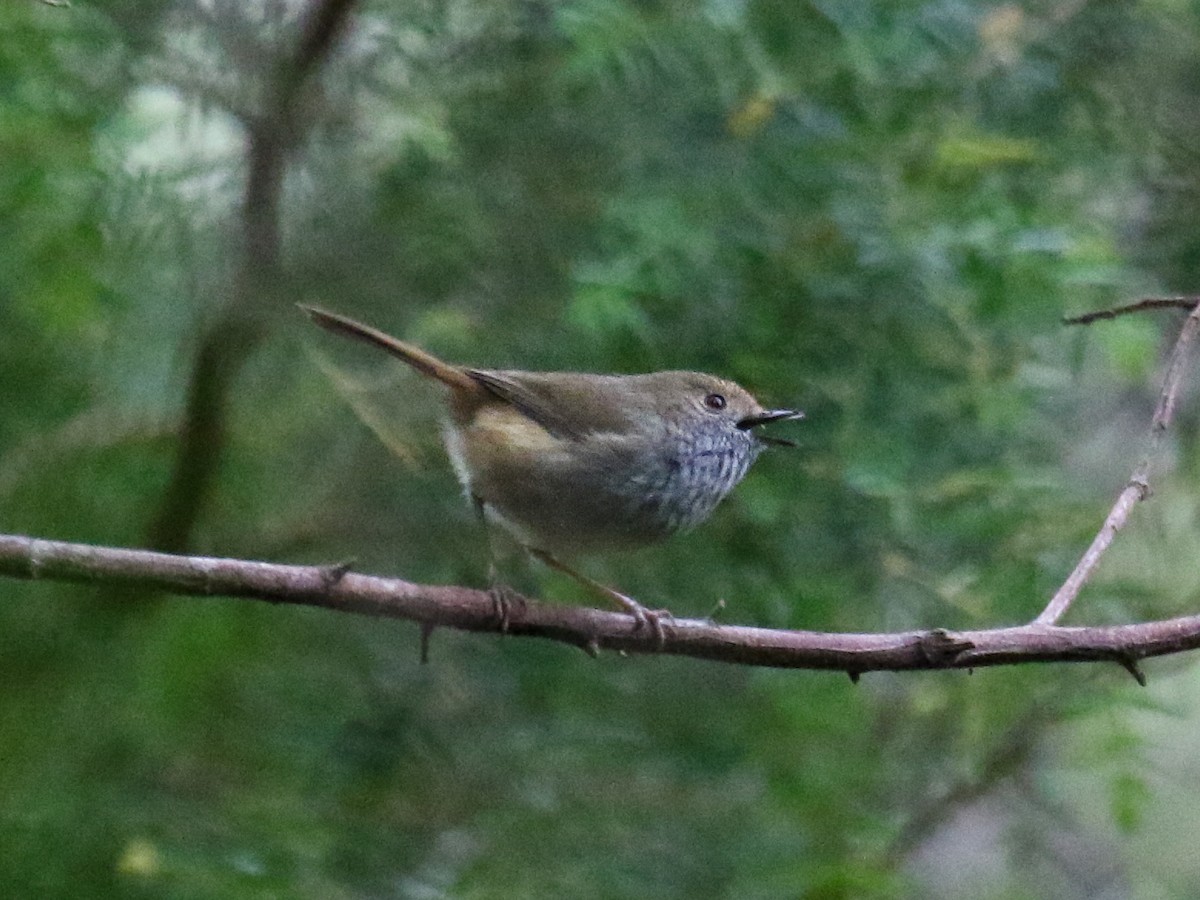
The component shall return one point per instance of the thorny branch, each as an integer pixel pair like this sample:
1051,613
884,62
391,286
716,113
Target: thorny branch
332,587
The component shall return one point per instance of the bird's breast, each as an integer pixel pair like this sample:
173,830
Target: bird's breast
601,491
686,487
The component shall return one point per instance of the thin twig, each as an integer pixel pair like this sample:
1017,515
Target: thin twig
1138,487
593,630
1135,307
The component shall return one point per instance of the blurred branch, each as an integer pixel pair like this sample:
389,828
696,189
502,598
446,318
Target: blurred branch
1138,487
229,340
95,429
1005,757
322,26
468,609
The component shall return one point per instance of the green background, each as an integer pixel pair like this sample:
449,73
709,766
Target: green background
879,212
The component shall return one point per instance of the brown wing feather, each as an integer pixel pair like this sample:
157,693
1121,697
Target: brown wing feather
573,404
509,389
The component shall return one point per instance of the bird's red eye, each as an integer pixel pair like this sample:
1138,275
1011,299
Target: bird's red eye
715,401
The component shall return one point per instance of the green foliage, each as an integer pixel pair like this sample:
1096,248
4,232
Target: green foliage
878,212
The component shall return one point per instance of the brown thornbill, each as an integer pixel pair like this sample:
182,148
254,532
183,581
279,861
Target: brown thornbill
571,463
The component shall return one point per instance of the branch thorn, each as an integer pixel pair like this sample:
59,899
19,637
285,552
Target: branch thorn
1130,665
718,608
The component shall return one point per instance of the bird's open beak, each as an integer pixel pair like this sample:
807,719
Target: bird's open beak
767,416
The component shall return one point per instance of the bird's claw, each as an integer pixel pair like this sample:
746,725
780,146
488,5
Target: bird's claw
651,619
504,600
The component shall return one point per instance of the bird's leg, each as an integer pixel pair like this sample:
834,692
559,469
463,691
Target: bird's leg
503,597
642,616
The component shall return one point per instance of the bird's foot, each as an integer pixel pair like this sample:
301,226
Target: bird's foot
644,617
504,601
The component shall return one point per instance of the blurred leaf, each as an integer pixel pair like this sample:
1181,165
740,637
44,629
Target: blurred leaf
878,213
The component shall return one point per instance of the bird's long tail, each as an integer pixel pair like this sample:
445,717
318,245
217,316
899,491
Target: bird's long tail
425,363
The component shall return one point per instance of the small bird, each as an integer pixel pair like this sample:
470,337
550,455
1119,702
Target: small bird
571,463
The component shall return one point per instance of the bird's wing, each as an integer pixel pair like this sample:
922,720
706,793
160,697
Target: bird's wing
529,401
567,404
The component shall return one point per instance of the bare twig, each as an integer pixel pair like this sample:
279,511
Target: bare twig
1138,306
469,609
1138,487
